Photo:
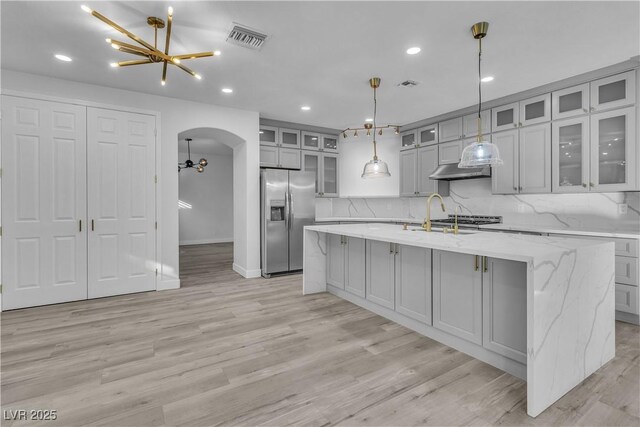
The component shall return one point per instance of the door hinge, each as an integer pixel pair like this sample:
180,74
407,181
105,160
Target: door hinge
156,225
155,179
0,172
0,289
156,271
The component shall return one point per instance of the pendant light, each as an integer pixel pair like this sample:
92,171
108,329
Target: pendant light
375,168
187,164
481,152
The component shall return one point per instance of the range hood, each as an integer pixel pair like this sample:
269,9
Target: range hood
452,172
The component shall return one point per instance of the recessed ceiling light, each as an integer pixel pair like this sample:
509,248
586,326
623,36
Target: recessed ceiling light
413,50
305,108
227,90
217,53
64,58
368,120
486,79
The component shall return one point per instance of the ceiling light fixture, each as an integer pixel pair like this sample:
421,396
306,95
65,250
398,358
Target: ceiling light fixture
305,108
413,50
187,164
368,120
63,58
375,168
480,153
486,79
150,54
227,90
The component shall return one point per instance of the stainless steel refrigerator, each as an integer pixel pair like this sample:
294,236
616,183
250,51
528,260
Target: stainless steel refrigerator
287,200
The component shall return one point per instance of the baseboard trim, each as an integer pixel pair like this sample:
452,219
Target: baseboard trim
247,274
206,241
164,285
628,317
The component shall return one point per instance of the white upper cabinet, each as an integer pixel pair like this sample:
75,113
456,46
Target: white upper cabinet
570,102
329,168
570,155
311,141
504,178
535,159
408,139
613,92
450,152
289,158
428,135
450,130
289,138
535,110
329,143
408,175
613,150
505,117
269,136
268,156
470,124
427,164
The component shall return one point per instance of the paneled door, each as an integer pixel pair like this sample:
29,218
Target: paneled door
44,242
121,208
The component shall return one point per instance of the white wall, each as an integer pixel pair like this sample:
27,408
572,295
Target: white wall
241,130
355,152
206,201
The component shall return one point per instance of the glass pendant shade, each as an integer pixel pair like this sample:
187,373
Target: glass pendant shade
480,153
376,169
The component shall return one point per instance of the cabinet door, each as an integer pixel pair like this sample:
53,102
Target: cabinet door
427,164
329,143
381,273
354,280
570,102
311,141
329,175
626,298
613,151
408,173
470,124
268,156
408,140
450,130
269,136
535,110
505,178
457,295
613,92
535,159
570,155
504,285
413,282
505,117
450,152
289,138
335,260
289,158
428,135
626,270
311,163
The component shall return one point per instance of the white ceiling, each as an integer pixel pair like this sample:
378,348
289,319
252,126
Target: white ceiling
203,142
322,53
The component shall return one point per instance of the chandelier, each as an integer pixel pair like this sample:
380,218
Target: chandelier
375,168
187,164
150,54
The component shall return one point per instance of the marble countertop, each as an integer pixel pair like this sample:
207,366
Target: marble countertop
507,227
517,247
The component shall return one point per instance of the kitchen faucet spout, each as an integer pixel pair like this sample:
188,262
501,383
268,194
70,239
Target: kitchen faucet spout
427,221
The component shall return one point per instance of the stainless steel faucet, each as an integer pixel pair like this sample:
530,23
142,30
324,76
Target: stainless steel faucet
427,221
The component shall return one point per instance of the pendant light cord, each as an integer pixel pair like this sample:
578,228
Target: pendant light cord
375,111
189,149
479,89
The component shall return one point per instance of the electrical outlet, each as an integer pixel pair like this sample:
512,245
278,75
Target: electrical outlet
622,208
521,207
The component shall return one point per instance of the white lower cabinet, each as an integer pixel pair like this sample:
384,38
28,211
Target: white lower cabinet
380,275
626,298
413,282
346,263
457,295
504,294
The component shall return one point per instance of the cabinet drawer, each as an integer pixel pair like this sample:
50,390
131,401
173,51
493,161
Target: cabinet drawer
627,298
626,247
627,270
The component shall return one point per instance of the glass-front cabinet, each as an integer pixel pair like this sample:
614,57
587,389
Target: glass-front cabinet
570,155
329,143
505,117
269,136
408,140
613,92
428,135
570,102
613,150
289,138
535,110
311,141
325,167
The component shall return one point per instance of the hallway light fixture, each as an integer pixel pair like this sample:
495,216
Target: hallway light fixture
187,164
481,152
375,168
150,53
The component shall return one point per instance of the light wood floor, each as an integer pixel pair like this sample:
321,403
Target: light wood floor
233,351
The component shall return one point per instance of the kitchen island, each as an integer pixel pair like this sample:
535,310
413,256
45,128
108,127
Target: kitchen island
540,308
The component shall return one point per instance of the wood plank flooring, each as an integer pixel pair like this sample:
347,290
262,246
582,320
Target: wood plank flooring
234,351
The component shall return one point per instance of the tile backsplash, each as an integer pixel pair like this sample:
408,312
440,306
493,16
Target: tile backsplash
586,211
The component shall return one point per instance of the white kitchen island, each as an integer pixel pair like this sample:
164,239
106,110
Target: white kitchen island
540,308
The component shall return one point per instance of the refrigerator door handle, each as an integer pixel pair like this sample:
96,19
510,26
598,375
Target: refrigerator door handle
287,210
290,210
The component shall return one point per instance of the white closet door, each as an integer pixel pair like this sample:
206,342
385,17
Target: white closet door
121,193
44,251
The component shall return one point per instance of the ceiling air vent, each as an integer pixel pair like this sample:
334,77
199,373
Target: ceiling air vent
246,37
408,83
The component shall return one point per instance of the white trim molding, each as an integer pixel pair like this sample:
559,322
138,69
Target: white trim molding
247,274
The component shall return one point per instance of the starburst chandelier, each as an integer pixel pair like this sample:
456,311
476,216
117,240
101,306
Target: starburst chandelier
188,164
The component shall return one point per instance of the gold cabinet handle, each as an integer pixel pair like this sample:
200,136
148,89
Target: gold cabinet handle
485,264
390,248
80,225
475,264
92,225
